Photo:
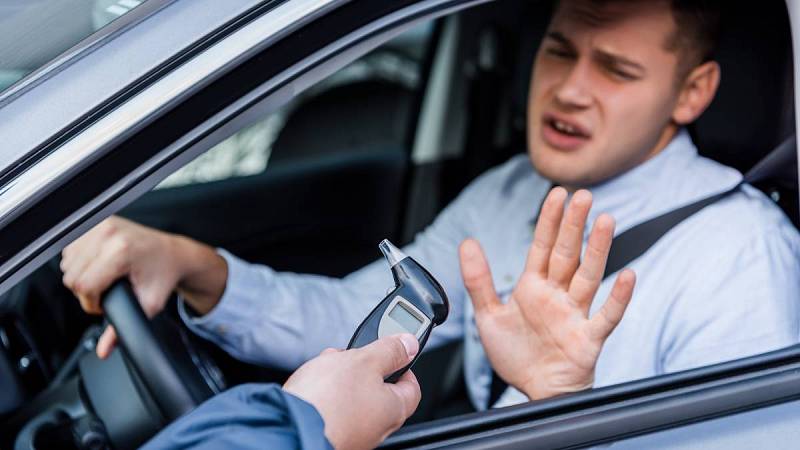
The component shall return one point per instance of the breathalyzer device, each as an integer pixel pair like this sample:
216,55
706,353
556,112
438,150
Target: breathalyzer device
416,305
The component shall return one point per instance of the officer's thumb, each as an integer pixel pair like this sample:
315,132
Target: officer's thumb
391,353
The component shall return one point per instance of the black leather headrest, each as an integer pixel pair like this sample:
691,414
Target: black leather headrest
753,111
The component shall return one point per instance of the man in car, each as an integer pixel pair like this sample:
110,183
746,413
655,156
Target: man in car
614,83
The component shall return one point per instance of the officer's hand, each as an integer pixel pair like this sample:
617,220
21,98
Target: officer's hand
543,341
359,409
155,262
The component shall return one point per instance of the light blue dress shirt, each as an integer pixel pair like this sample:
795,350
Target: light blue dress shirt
723,284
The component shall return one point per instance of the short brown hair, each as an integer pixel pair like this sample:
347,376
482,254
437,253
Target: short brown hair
697,32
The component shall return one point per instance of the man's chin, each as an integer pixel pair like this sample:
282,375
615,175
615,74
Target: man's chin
563,171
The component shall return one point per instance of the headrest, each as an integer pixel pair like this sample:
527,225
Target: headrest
753,111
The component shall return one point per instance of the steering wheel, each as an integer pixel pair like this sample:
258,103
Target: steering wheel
144,352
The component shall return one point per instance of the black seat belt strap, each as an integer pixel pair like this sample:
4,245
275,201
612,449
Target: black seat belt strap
635,241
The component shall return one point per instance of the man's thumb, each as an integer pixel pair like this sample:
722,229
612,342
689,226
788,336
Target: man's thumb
391,353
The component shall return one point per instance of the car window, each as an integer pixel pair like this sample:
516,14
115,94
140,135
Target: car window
34,32
381,85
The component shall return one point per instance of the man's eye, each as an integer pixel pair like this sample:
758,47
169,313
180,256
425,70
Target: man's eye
560,53
621,74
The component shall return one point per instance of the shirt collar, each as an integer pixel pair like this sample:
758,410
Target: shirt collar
672,178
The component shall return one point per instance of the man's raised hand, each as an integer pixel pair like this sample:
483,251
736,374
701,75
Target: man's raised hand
542,341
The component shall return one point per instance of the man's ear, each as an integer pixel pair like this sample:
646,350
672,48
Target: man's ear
696,93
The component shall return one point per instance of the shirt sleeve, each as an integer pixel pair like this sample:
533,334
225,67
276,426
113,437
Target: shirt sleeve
281,319
747,309
250,416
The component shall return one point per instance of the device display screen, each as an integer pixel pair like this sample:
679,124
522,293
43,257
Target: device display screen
405,318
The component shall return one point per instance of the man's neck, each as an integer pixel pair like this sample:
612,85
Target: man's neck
666,137
667,134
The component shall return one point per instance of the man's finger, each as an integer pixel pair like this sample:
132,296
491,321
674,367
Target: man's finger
79,255
89,304
477,276
106,342
389,354
567,248
544,236
408,390
98,276
605,320
589,275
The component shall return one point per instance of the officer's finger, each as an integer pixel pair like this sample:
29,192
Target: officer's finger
389,354
408,391
477,276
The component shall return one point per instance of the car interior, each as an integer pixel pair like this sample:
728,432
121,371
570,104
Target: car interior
339,173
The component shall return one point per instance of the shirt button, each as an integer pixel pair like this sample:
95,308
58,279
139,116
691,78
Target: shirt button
221,329
508,278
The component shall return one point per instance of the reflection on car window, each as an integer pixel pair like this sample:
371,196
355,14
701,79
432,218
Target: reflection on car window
33,32
388,75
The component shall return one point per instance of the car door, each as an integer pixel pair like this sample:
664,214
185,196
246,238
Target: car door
136,143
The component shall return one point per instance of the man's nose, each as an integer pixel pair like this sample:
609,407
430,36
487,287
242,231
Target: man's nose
574,91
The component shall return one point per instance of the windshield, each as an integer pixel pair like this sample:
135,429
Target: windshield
34,32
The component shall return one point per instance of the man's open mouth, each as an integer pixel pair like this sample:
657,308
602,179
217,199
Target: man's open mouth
563,134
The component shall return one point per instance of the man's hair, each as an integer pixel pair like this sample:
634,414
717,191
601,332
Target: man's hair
696,32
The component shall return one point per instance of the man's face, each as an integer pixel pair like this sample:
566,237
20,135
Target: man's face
602,92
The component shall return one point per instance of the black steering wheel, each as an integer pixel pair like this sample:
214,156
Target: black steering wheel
144,352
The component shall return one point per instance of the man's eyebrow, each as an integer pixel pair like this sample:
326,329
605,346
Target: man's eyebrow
603,56
612,58
558,37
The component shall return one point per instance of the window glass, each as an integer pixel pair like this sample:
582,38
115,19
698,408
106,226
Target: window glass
33,32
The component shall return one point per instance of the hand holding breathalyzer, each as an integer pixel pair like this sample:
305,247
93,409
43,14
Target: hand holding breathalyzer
365,393
348,390
416,305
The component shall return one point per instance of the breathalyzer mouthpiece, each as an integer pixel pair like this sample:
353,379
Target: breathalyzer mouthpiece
392,254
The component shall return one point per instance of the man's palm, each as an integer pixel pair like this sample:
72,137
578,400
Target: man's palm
542,340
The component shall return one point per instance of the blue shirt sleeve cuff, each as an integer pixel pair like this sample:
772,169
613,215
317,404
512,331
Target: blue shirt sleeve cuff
308,422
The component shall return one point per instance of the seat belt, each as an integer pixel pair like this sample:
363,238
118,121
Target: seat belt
635,241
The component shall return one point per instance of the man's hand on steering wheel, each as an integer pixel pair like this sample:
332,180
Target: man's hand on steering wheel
156,263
